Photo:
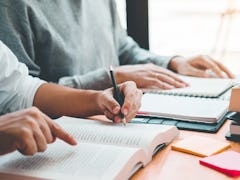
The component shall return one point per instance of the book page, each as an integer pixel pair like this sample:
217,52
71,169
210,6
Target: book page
184,108
132,135
200,87
104,151
84,161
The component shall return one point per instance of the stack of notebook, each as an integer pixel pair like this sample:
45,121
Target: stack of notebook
234,108
199,107
199,87
234,129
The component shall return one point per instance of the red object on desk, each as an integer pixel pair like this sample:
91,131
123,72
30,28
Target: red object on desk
226,162
142,113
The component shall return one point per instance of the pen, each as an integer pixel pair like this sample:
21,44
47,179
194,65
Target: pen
117,95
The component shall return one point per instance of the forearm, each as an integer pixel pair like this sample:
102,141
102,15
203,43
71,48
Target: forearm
56,101
131,53
97,80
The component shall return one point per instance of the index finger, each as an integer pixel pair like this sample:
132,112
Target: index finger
58,132
132,99
171,75
212,65
224,69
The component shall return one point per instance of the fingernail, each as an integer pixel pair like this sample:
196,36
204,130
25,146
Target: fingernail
116,109
171,87
224,75
125,112
184,85
117,119
206,75
181,85
74,141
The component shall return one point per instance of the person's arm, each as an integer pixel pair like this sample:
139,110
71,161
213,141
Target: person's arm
20,31
56,100
29,131
98,79
145,68
129,51
17,88
19,91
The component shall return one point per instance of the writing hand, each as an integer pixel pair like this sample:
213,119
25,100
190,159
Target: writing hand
111,108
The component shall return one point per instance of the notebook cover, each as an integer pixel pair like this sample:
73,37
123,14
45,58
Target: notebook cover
226,162
180,124
231,137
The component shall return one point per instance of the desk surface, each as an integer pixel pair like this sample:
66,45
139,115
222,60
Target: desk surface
171,165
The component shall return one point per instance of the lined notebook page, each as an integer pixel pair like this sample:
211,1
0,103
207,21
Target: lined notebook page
183,108
200,87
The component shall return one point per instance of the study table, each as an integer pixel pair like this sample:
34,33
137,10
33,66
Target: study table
173,165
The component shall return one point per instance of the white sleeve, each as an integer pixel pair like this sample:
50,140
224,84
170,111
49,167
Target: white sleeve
17,88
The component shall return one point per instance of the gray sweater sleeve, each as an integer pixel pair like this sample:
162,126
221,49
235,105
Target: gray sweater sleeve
98,80
129,51
24,27
15,32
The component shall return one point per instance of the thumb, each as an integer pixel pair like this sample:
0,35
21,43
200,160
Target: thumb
108,102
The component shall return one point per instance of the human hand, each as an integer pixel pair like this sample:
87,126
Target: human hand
199,66
29,131
110,107
149,76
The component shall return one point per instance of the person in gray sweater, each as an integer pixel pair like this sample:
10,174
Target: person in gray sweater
73,42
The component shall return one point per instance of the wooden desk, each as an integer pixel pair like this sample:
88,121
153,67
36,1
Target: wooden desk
174,165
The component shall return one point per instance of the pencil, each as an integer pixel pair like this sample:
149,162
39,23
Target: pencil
117,95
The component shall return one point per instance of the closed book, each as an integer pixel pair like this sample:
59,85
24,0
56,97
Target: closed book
185,108
235,128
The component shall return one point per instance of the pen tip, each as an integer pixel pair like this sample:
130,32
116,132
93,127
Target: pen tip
124,121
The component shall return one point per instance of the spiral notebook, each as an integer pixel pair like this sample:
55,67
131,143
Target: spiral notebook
199,87
196,109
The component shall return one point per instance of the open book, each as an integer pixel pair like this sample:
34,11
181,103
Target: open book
186,108
200,87
104,151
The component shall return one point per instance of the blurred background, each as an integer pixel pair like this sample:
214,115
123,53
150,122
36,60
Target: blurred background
192,27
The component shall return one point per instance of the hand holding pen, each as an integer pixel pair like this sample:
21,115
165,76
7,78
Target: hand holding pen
119,96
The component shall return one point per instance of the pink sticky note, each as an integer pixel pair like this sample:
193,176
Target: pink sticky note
226,162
